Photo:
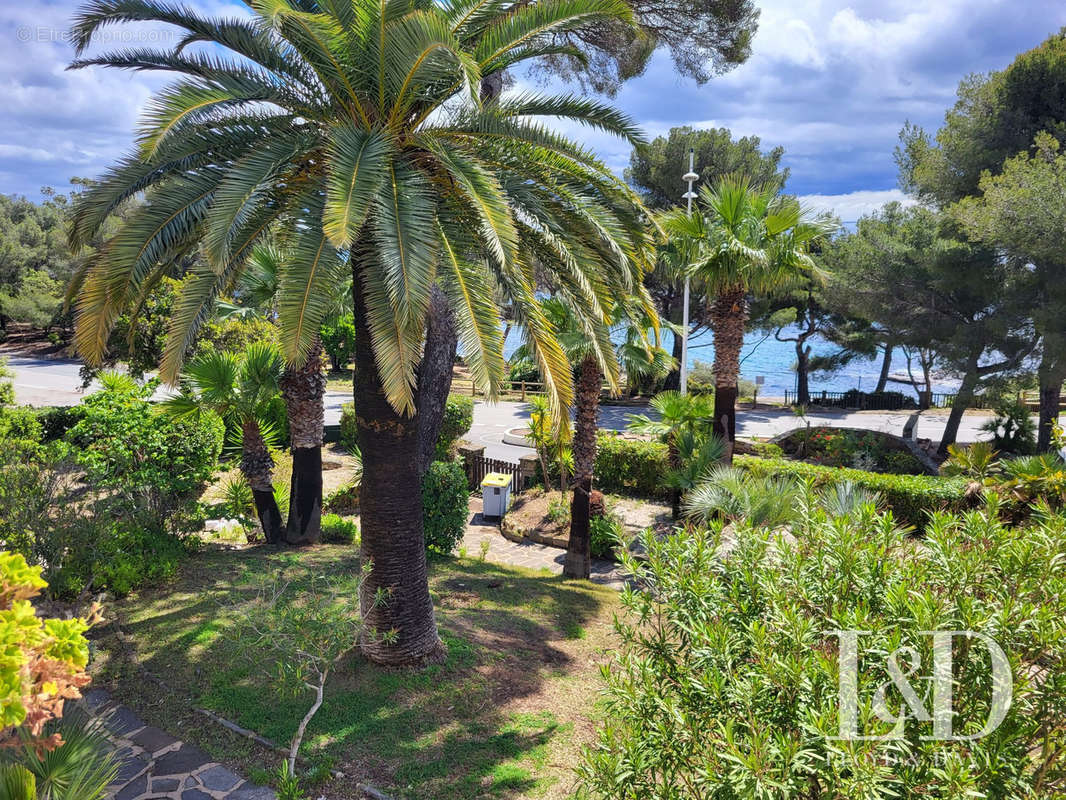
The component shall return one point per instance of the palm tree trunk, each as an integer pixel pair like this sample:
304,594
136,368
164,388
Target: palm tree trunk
258,467
587,401
393,542
435,375
729,313
304,389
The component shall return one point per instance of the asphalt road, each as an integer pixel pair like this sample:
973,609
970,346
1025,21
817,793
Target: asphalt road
48,381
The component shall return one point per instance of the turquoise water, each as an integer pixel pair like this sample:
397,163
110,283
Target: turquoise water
776,361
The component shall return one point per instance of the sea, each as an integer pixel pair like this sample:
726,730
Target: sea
775,362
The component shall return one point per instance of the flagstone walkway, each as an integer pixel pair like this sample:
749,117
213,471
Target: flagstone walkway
155,765
527,554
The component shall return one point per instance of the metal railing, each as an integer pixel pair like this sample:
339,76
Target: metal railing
869,401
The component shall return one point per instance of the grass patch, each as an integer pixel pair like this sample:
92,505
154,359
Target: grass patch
501,717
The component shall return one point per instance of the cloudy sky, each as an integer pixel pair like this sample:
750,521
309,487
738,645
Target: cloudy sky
832,81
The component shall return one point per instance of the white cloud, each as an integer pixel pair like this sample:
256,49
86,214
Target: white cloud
852,205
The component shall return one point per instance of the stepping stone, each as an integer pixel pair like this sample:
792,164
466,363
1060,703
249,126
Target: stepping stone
250,791
134,788
130,768
165,784
180,762
123,721
96,699
218,779
153,740
195,794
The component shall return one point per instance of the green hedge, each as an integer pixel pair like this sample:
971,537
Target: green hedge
629,466
910,497
444,505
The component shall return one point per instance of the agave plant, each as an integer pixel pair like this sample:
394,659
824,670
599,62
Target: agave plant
356,126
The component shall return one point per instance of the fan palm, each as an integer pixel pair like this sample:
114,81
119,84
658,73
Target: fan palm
744,239
356,125
239,388
677,416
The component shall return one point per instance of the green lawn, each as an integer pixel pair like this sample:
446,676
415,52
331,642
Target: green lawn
504,716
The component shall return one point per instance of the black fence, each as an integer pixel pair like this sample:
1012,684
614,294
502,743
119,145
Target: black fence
478,467
870,401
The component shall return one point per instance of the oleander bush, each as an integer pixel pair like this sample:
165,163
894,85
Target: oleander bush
911,498
445,504
631,466
57,420
727,681
606,533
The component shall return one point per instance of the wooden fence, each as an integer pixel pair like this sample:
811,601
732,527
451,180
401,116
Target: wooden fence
477,467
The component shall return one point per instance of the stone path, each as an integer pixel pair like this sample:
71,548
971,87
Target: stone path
156,765
527,554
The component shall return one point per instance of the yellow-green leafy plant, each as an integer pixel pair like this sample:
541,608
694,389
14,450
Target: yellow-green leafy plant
42,661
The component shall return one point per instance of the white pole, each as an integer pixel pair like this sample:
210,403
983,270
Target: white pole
690,176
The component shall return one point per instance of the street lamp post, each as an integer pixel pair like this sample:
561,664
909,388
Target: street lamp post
691,177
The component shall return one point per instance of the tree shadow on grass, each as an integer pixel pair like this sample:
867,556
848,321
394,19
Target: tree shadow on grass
473,726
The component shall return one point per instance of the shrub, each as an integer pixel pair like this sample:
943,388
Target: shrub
338,530
631,466
445,499
768,450
153,462
349,436
344,500
118,555
57,420
43,663
458,418
910,497
606,533
727,680
523,370
1013,430
897,462
20,430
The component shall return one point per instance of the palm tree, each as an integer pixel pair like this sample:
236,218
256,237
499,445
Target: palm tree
682,421
744,239
239,388
303,386
589,347
356,125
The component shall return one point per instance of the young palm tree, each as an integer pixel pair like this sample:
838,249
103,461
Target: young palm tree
239,388
303,386
683,422
744,239
589,348
357,126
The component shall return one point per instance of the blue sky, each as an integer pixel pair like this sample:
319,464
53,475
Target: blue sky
832,81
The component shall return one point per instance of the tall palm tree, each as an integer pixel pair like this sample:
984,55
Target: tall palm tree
239,388
357,125
744,239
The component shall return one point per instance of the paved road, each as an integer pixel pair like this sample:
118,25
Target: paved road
492,421
49,381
